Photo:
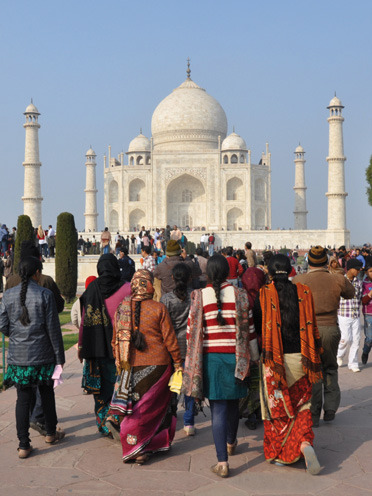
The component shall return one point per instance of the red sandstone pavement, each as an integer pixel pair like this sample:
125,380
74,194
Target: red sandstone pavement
85,463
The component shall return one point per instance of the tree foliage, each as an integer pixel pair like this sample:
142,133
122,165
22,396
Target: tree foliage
25,232
66,255
369,181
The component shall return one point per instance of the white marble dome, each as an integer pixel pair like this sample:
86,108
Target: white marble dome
31,109
299,149
233,142
140,144
188,118
335,102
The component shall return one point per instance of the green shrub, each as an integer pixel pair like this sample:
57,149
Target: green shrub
25,232
66,256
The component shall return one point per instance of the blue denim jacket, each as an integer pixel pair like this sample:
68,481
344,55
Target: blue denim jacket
39,342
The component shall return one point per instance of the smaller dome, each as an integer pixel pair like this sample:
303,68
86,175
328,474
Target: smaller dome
90,153
299,149
233,142
31,109
335,102
140,144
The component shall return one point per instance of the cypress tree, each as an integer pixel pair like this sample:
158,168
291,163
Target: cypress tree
25,232
369,181
66,256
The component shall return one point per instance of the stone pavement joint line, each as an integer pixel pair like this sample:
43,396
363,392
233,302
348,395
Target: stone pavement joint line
86,463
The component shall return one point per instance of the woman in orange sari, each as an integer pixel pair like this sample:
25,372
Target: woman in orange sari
290,364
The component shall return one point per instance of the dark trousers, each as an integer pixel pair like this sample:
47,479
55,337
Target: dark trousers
327,393
37,412
25,400
225,421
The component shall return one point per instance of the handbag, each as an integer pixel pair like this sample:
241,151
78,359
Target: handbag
175,382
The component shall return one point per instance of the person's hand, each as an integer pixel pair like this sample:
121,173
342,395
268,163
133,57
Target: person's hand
79,354
178,366
183,253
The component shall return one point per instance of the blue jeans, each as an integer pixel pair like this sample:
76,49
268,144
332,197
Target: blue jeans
211,250
188,416
368,334
225,421
106,249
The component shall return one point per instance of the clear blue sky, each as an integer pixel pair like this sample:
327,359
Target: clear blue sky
97,70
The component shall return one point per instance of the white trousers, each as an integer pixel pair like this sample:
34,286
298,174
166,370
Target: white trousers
350,336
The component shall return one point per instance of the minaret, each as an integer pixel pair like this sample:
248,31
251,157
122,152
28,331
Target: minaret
90,193
300,212
336,176
32,189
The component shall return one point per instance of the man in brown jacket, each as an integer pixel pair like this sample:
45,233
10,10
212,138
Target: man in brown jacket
163,271
327,289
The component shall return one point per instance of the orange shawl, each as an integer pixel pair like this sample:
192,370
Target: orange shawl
272,346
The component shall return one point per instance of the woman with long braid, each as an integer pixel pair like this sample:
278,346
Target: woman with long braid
221,343
29,317
284,315
144,345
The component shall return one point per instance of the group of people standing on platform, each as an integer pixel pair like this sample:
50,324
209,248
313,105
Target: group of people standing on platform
246,337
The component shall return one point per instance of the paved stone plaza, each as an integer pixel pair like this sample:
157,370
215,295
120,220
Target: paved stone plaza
85,463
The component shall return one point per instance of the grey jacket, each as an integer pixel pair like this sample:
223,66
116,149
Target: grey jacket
40,342
179,312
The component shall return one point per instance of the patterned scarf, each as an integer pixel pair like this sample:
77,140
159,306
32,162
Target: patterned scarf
142,289
193,372
272,346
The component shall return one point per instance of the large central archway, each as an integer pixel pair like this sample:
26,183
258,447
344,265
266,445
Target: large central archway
186,202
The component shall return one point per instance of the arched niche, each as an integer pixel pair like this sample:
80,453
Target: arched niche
113,192
234,189
186,202
114,220
136,190
234,219
137,219
260,218
259,190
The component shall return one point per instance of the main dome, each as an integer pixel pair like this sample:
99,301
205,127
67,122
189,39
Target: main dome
187,119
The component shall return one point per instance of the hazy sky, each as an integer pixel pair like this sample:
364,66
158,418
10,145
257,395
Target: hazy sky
96,71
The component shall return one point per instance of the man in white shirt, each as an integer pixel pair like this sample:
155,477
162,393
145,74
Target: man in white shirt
51,240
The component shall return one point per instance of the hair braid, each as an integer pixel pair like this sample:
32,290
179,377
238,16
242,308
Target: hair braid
25,318
217,291
138,339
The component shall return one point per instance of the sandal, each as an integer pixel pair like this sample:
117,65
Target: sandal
141,459
24,452
56,437
114,428
312,463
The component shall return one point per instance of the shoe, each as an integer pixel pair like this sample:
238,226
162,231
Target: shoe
315,421
190,430
354,369
56,437
39,427
24,452
251,424
329,415
364,358
220,470
312,464
114,429
339,361
231,448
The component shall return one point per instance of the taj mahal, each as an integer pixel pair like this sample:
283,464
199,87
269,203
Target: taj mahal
192,174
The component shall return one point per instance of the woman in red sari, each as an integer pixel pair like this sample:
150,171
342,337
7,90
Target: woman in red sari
290,364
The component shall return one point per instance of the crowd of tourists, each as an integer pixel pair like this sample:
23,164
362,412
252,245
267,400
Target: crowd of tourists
245,334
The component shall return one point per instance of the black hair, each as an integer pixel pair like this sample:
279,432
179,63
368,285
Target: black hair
241,255
28,249
199,252
147,249
181,273
248,245
138,339
229,251
279,268
124,249
266,255
217,271
28,266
